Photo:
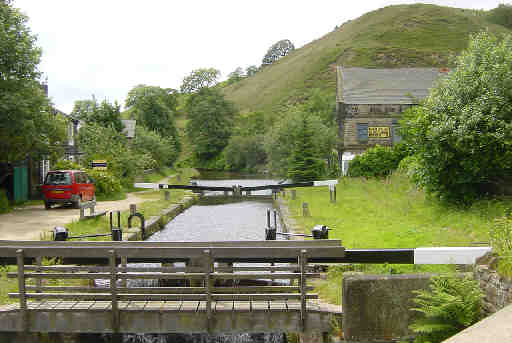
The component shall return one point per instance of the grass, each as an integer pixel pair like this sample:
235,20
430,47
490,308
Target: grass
391,213
416,35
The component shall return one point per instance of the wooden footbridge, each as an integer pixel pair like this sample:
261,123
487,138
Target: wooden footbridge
202,286
207,293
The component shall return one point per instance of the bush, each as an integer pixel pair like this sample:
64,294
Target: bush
451,305
106,183
378,161
462,134
501,241
4,202
501,15
66,165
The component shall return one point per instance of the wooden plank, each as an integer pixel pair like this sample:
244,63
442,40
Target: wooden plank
273,276
151,244
257,289
261,296
247,253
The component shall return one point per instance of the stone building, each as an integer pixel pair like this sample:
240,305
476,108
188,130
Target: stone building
369,103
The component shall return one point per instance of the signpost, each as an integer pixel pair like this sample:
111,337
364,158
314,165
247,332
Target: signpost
99,165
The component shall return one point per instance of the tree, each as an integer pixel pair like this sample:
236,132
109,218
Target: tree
139,92
501,15
200,78
276,51
27,124
236,75
210,122
162,150
155,108
462,134
281,138
251,70
305,164
104,114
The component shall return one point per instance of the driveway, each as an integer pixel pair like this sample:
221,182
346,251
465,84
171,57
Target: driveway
27,223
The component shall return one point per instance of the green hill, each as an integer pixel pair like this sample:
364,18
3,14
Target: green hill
395,36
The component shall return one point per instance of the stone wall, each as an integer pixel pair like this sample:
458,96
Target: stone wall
377,115
376,308
497,289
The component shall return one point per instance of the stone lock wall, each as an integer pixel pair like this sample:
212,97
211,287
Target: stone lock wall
497,289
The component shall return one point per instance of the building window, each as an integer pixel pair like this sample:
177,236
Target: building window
396,134
362,132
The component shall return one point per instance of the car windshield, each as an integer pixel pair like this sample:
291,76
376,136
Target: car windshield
58,179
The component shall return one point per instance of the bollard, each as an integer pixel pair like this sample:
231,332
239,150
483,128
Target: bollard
305,210
275,220
167,195
320,232
294,194
178,178
117,234
334,192
60,233
142,224
268,219
270,234
133,208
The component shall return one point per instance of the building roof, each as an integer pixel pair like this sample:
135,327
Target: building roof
129,127
385,86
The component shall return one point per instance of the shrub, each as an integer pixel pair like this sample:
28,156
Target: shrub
451,305
377,161
106,183
4,202
501,15
501,241
462,133
66,165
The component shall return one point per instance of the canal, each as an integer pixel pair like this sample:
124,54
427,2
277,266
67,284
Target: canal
218,218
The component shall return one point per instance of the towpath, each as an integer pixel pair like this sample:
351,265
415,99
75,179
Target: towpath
27,223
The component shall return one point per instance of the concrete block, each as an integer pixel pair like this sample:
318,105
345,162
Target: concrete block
377,307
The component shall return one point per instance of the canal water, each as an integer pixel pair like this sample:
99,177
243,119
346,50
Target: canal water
218,218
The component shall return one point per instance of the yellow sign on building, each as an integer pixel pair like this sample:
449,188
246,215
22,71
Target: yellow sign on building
378,132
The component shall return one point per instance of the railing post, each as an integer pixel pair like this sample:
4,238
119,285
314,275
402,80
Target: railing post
124,264
113,291
21,287
208,269
303,260
39,281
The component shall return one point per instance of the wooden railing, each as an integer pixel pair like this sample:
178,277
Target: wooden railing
211,280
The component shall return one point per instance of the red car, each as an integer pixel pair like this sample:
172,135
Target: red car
67,186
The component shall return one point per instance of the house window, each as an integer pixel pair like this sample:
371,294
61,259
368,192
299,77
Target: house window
362,132
396,134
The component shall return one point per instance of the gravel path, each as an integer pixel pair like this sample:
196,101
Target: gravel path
28,222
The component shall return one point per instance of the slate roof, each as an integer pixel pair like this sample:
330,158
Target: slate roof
385,86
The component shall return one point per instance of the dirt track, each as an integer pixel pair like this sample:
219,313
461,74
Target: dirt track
27,223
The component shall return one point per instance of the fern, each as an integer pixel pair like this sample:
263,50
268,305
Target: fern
451,305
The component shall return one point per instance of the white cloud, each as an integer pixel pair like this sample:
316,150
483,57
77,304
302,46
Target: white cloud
106,47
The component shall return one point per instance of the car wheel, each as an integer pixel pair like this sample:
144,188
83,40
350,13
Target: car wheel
47,205
77,203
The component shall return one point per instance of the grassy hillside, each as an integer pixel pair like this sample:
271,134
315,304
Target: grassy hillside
395,36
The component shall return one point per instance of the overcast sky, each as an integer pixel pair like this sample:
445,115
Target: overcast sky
105,47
